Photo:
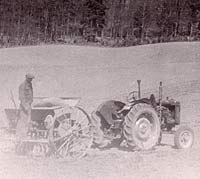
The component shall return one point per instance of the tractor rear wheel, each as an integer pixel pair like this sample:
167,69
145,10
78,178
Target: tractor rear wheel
142,127
184,137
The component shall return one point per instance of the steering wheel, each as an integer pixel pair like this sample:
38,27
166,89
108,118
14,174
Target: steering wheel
131,96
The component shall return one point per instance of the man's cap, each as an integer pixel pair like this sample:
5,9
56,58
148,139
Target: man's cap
30,76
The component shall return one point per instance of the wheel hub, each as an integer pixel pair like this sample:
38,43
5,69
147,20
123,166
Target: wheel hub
143,127
185,138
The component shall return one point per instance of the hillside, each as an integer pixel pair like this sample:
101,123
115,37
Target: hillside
97,74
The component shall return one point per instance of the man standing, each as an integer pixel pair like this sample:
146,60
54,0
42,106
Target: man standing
26,99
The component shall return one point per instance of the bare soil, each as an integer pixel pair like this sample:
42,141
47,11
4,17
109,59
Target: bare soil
97,74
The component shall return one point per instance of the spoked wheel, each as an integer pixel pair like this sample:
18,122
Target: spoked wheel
70,135
184,138
142,127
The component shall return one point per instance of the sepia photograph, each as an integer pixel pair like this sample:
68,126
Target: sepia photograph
100,89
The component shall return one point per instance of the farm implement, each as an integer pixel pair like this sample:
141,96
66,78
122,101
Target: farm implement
59,127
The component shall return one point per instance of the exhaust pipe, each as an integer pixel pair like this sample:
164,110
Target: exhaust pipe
160,91
160,99
139,89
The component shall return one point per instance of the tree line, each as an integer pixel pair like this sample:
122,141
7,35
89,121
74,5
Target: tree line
108,22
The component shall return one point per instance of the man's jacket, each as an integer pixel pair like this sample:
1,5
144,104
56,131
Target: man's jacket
26,93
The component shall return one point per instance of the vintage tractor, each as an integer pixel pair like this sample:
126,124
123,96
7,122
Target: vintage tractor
59,127
140,122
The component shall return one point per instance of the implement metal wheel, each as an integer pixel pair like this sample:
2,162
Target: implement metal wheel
70,135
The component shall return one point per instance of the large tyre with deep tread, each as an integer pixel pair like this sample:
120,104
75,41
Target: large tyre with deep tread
184,137
142,127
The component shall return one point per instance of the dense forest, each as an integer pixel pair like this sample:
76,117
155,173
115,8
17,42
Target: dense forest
105,22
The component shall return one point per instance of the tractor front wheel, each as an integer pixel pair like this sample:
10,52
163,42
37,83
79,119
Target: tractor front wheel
184,137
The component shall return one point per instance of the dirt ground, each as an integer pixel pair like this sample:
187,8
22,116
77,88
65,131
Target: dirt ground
97,74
